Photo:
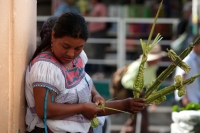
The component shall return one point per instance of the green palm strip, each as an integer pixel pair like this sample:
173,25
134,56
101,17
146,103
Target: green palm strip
154,23
138,82
170,89
174,57
168,71
95,122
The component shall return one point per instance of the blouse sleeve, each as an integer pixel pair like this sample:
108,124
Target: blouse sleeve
48,75
84,57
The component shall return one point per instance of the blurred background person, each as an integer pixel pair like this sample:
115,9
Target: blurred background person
66,6
183,34
97,30
122,85
192,90
83,6
185,20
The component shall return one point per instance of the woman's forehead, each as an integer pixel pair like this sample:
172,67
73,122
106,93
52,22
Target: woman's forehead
72,41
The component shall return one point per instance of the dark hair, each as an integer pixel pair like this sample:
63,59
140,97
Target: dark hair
68,24
47,27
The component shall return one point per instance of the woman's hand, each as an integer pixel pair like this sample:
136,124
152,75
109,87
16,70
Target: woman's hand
134,105
98,99
90,110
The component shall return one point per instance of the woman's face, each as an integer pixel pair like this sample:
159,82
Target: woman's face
67,48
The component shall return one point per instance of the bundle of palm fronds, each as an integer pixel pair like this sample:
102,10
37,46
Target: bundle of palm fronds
152,94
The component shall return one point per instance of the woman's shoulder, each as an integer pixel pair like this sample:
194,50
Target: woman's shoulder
45,57
41,69
83,57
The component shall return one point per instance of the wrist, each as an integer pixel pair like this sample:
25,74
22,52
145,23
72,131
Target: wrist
125,104
81,108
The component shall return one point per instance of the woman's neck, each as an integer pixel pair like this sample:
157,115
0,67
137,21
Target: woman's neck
67,65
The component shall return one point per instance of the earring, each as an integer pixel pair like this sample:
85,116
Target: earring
51,46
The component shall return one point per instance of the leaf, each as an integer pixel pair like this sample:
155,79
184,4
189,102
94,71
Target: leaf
177,61
94,122
179,82
159,100
181,91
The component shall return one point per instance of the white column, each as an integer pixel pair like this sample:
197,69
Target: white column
121,38
17,44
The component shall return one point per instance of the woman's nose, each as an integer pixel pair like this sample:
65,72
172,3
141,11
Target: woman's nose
70,53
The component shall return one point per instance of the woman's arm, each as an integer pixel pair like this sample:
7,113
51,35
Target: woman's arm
59,110
132,105
185,99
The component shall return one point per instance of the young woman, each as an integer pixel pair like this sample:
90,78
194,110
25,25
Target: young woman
57,70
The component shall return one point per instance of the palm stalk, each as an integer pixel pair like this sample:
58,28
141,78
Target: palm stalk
157,97
138,83
168,71
154,23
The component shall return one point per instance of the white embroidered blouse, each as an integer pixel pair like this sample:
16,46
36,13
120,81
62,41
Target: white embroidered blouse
71,85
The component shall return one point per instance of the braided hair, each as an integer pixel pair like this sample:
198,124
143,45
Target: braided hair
47,27
45,34
68,24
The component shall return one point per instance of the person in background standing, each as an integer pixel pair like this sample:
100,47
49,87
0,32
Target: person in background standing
184,23
97,30
183,35
83,6
66,6
192,90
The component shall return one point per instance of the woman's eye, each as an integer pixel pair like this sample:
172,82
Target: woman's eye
78,48
65,47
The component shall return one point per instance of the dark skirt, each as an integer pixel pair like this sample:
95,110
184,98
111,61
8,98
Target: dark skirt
41,130
36,130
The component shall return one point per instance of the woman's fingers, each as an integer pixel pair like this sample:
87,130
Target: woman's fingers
139,99
138,109
138,104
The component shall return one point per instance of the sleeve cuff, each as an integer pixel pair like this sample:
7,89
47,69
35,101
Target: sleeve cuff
46,85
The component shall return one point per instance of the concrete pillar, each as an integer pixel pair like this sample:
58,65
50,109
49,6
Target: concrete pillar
17,44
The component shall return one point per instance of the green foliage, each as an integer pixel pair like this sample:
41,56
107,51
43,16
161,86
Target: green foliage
190,106
175,108
193,106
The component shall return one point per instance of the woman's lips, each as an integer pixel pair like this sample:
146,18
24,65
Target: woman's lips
67,59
